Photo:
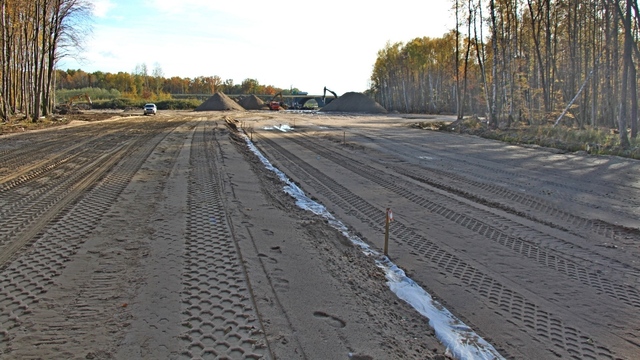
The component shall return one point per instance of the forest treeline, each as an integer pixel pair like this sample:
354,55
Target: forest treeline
538,61
153,85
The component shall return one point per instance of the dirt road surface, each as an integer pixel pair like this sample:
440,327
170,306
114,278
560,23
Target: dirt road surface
166,237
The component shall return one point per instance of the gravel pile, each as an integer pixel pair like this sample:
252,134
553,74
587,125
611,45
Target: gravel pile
354,102
251,102
219,102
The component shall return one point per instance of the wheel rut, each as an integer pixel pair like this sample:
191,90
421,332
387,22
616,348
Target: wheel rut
218,310
543,248
545,182
26,280
487,192
514,306
35,199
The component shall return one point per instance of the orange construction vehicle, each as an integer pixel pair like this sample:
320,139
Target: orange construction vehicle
275,104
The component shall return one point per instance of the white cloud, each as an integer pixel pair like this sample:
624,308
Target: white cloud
102,7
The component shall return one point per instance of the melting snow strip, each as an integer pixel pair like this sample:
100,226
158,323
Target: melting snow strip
460,339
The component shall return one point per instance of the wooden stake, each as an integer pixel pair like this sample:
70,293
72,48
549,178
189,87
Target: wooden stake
386,233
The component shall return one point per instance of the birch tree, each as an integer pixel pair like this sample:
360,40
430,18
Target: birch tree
35,35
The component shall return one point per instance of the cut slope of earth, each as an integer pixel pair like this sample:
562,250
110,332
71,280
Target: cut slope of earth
219,102
354,102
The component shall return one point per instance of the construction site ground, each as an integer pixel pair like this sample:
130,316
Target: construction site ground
167,237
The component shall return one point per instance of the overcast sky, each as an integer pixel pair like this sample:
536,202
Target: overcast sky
302,44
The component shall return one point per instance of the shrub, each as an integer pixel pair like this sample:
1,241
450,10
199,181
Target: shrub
63,95
127,103
120,103
178,104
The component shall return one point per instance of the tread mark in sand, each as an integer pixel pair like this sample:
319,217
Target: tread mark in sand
547,183
23,281
538,323
218,309
546,257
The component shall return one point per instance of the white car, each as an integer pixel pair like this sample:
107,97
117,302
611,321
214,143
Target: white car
150,109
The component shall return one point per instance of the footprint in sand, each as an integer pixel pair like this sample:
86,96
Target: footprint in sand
280,283
330,319
268,258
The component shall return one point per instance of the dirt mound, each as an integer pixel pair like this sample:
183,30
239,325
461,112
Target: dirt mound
219,101
251,102
355,102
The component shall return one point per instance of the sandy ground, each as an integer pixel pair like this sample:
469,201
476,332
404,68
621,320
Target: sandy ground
167,238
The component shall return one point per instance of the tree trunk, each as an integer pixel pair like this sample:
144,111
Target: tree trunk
628,63
493,119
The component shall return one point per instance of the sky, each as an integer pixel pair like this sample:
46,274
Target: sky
287,44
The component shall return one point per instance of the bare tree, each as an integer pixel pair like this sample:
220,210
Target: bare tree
35,35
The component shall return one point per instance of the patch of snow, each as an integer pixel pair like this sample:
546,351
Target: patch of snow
460,339
281,127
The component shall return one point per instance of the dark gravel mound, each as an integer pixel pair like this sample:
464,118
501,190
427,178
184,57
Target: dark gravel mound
252,102
354,102
219,102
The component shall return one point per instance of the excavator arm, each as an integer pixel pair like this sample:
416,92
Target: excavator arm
275,104
324,94
67,107
73,98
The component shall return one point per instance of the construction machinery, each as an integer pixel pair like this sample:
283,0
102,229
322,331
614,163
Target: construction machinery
275,104
324,95
68,106
80,96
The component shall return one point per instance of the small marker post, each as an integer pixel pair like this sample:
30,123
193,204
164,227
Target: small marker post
389,218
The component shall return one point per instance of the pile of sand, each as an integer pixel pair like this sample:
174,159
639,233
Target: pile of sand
355,102
219,101
251,102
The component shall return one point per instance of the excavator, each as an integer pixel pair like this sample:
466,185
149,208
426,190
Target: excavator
73,98
324,95
68,106
275,104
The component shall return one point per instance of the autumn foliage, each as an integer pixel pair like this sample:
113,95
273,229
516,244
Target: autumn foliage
35,35
571,62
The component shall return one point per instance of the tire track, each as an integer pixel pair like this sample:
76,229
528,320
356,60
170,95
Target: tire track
487,192
21,160
30,224
219,312
508,303
479,163
24,281
31,204
543,248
